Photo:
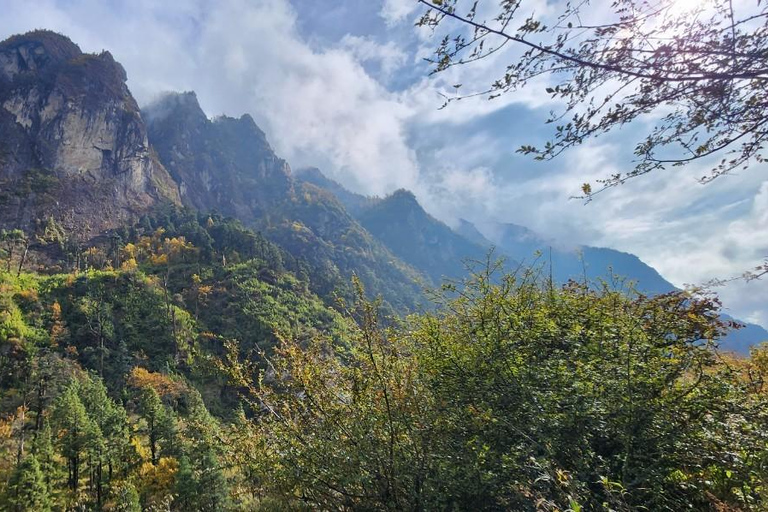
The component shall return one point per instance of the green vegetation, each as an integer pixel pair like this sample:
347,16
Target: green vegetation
185,364
520,396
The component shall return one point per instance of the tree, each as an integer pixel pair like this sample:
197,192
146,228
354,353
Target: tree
701,67
349,427
186,486
42,448
126,498
112,423
212,485
152,411
518,395
27,489
74,429
12,239
168,430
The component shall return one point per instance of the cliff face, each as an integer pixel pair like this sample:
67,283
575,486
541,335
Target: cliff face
225,164
74,144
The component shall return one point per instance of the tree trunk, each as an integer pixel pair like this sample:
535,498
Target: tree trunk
20,452
39,408
153,442
10,256
23,258
75,472
98,485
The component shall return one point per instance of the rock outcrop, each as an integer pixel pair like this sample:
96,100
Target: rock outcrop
224,165
74,144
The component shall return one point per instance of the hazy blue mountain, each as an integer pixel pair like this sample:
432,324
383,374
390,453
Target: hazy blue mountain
593,263
419,239
471,233
437,250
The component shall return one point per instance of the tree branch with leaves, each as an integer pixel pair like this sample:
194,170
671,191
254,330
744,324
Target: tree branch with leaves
697,73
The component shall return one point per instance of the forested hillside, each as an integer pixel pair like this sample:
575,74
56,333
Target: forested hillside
229,337
176,381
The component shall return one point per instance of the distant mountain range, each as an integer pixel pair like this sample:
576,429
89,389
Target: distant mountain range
75,148
437,250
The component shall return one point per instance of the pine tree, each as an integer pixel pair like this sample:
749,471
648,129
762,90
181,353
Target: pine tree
168,430
186,486
213,488
151,411
42,448
75,431
27,488
111,419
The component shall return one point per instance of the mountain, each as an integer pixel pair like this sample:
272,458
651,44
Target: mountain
226,165
419,239
223,165
400,223
577,262
73,143
437,250
354,203
597,263
77,151
471,233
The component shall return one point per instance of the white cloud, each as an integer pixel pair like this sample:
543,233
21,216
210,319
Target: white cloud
317,105
397,11
389,56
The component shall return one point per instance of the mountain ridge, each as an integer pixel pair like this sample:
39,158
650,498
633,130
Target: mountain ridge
519,244
227,165
78,150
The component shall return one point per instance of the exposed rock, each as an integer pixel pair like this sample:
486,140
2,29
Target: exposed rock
224,164
74,144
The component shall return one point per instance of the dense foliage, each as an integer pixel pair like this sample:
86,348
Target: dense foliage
182,365
516,396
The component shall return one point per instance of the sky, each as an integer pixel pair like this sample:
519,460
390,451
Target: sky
342,85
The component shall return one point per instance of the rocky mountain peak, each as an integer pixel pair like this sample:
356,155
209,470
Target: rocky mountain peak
35,52
224,164
74,144
402,198
175,107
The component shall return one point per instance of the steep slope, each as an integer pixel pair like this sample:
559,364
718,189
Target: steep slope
73,143
471,233
354,203
400,222
418,238
226,165
223,165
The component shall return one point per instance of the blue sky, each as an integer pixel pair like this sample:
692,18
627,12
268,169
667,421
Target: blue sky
342,85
